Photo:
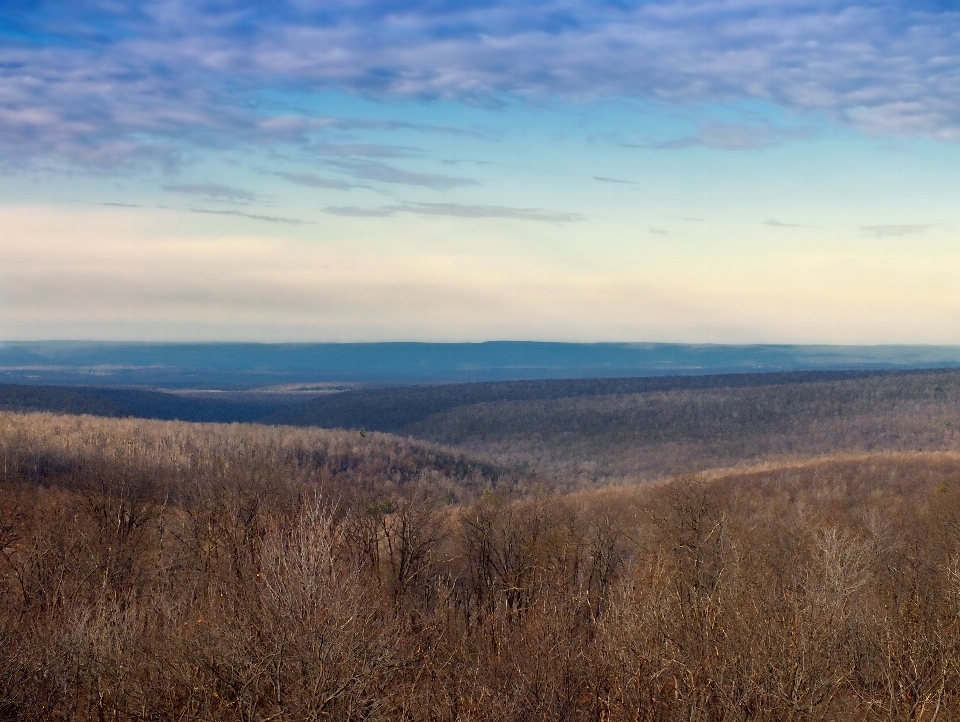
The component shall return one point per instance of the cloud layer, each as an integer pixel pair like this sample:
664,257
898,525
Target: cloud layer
456,210
383,173
112,83
213,191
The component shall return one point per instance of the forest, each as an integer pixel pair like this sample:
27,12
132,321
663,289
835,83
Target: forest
480,361
584,431
166,570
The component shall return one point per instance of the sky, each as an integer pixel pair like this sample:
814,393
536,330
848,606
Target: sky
705,171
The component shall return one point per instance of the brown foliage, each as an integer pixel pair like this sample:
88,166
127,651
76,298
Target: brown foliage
190,572
646,436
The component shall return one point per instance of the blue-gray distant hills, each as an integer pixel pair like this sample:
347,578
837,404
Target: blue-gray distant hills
248,365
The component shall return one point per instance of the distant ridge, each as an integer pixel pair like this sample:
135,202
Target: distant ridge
396,408
139,403
248,365
399,408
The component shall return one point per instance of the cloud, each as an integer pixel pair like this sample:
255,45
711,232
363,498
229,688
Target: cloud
383,173
658,231
729,136
457,210
355,212
605,179
363,150
213,191
108,84
465,161
315,181
364,124
219,212
895,230
480,211
253,216
298,127
779,224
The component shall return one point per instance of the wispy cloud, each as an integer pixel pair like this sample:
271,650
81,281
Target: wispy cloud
383,173
465,161
315,181
393,125
891,231
619,181
214,191
780,224
217,212
252,216
113,83
729,136
357,212
457,210
480,211
363,150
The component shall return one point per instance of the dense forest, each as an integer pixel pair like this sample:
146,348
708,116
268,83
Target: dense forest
391,408
175,571
397,409
645,436
588,431
144,403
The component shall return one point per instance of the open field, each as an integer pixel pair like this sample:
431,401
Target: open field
164,570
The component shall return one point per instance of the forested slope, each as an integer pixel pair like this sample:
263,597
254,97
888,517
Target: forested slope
591,430
650,435
171,571
396,409
141,403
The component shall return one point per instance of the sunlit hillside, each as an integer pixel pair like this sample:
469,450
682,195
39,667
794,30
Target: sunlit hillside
169,571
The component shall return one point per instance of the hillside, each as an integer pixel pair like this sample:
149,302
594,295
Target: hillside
178,460
168,571
591,430
397,409
656,434
649,428
144,403
377,408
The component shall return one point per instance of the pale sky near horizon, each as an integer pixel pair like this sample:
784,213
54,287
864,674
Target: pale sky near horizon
729,171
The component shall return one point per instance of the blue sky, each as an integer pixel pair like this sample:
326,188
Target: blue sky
711,171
